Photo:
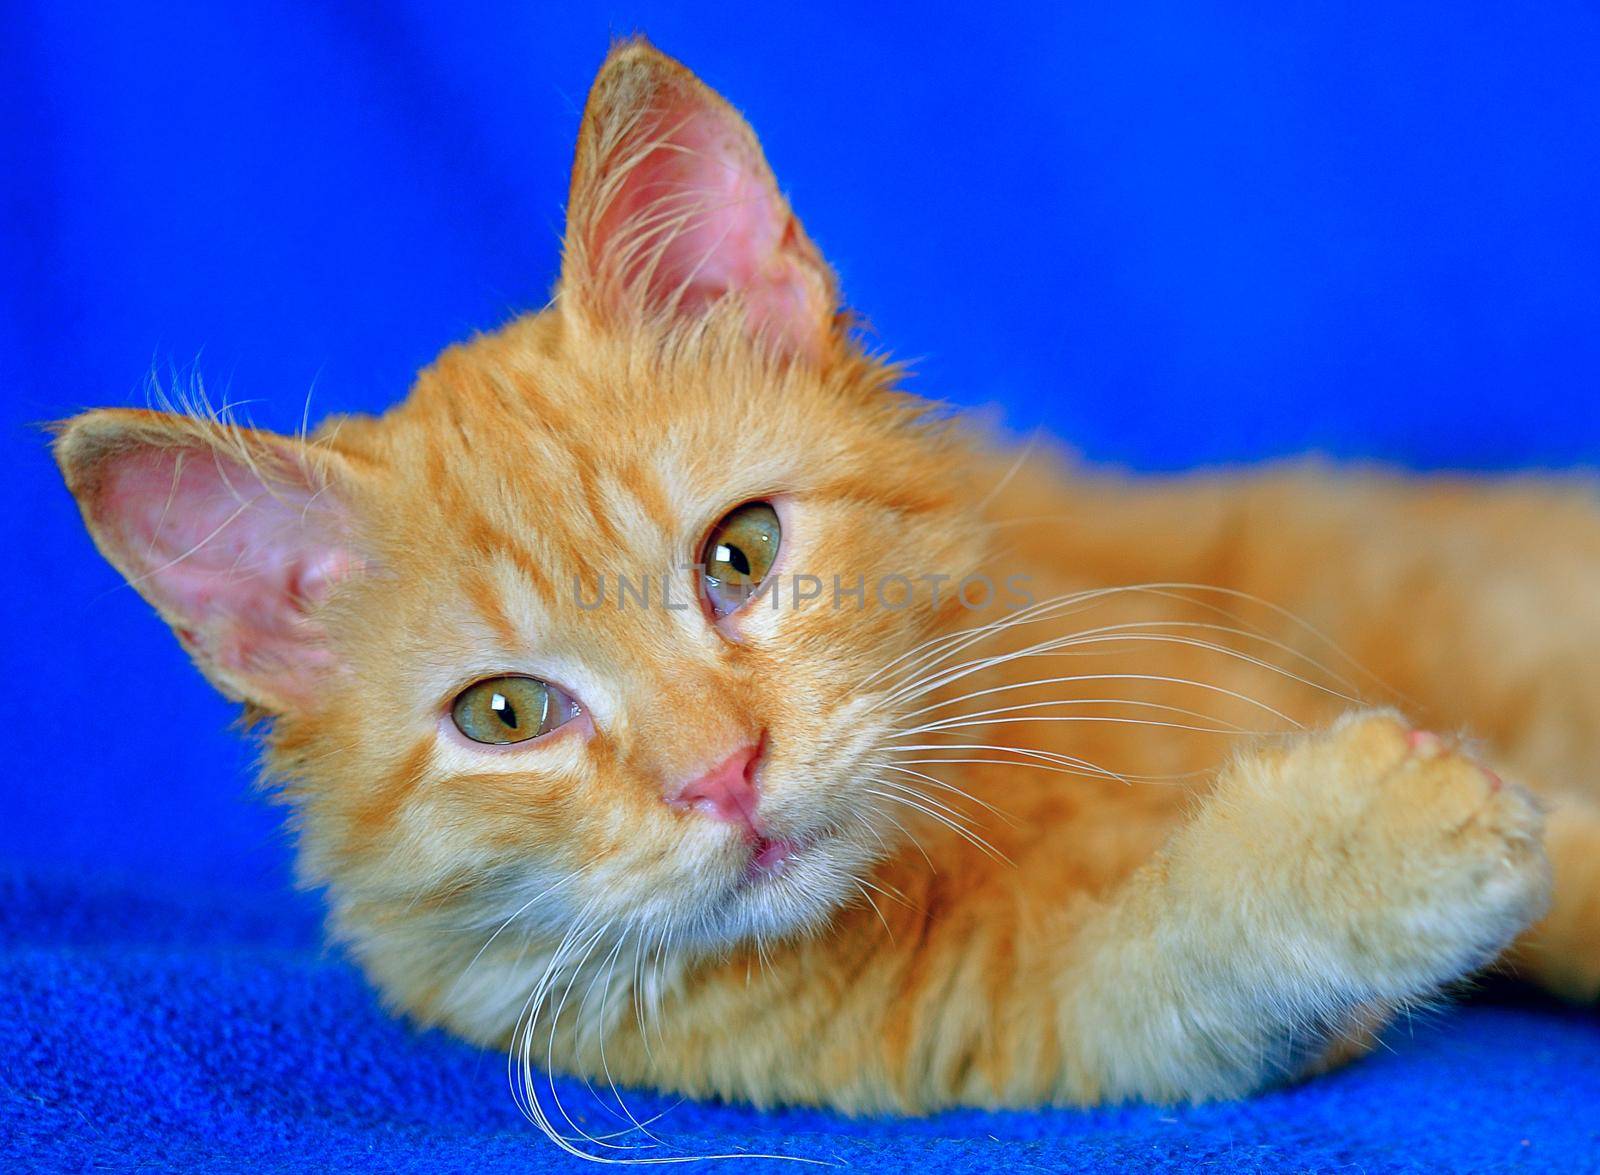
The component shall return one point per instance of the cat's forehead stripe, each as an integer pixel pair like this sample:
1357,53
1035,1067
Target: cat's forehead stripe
485,594
482,534
639,512
644,484
597,517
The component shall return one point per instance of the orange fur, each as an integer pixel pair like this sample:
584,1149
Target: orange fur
1143,880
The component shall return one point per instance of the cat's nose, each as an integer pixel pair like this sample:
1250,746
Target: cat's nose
727,792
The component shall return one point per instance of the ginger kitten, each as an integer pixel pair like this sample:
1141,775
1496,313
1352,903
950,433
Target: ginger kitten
661,693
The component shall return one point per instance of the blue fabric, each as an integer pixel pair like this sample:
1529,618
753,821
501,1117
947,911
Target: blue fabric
147,1024
1173,234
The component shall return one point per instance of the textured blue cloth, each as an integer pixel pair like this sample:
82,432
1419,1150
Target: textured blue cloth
1172,234
143,1026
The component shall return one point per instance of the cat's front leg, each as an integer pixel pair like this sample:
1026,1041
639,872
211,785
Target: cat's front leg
1323,882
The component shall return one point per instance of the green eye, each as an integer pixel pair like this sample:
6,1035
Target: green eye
510,709
739,554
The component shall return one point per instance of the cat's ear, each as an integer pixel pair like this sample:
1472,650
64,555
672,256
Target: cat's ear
234,535
673,208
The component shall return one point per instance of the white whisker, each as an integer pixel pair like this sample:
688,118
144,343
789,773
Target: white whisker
1081,678
960,830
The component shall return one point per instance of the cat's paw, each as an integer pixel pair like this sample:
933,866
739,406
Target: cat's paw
1416,863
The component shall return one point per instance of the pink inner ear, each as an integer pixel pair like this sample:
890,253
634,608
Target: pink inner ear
697,215
234,563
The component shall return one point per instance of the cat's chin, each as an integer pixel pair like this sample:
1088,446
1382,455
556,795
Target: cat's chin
788,886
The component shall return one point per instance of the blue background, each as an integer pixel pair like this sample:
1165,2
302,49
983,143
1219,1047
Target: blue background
1172,234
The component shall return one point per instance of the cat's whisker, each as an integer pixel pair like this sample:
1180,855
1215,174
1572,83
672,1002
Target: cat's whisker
912,840
1074,645
1103,719
1265,637
1296,621
909,789
1037,759
890,892
955,642
921,803
995,715
930,654
950,787
640,955
518,1060
587,933
1056,757
859,817
862,890
555,1025
1023,453
606,971
301,762
961,638
761,951
1083,678
1105,635
1092,771
605,1066
1176,591
666,951
522,909
589,940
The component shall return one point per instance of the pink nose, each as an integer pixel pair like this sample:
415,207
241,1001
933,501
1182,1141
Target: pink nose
728,791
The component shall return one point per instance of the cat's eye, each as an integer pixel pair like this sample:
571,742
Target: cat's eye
738,556
510,709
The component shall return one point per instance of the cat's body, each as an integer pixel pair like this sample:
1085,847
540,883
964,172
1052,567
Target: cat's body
1110,888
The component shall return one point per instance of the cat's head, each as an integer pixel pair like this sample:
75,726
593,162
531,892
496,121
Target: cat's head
462,721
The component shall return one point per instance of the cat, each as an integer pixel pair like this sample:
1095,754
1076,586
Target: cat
662,693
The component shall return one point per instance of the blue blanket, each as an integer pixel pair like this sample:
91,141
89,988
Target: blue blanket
156,1028
1173,236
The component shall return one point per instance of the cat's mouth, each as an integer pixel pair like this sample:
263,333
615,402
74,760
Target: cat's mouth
770,857
779,882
